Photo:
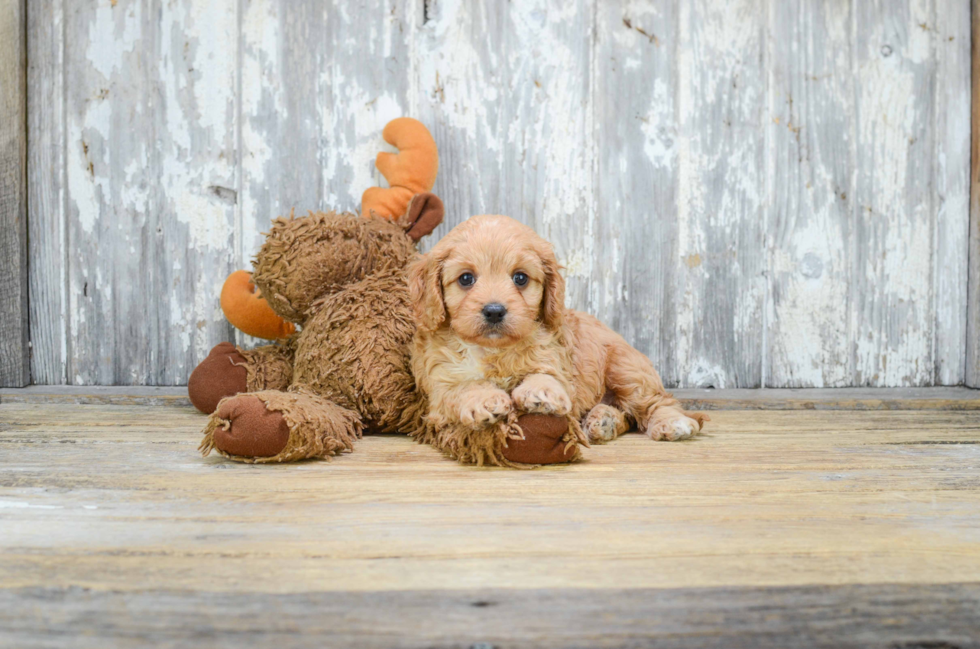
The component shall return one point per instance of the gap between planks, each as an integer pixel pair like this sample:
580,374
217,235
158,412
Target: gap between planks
940,398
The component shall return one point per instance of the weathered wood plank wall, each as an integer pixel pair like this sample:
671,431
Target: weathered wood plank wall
14,341
753,193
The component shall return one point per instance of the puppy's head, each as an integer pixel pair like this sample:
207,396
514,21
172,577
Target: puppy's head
491,279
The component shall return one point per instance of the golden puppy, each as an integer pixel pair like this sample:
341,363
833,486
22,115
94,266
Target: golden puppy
494,337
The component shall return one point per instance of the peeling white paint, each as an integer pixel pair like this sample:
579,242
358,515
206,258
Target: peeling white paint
88,159
893,340
361,152
659,128
453,75
261,90
113,34
867,139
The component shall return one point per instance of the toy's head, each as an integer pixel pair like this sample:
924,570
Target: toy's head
307,258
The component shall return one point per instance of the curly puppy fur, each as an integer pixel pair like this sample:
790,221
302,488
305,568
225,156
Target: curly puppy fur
495,337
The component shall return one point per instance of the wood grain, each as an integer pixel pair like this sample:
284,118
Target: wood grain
637,122
831,399
841,209
810,248
116,498
47,191
858,525
951,117
893,327
14,340
973,310
836,617
721,325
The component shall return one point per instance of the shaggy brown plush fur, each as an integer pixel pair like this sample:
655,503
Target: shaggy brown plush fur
308,258
269,367
340,277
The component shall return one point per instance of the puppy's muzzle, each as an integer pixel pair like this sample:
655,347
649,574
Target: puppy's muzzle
494,313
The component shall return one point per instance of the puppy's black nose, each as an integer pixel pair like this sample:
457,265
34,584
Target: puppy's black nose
494,312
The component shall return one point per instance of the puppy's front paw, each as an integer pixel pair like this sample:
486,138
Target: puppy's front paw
673,429
541,394
483,407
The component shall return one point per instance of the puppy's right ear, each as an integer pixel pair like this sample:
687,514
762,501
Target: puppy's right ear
425,286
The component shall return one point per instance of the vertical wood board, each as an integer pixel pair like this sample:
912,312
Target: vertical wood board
811,140
893,204
47,225
14,340
951,186
720,283
319,82
973,307
636,261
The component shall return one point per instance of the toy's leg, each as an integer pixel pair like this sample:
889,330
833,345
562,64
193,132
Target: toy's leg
605,423
638,391
548,439
228,371
273,426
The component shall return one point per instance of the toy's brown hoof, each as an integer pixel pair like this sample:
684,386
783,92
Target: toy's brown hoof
542,443
222,374
253,431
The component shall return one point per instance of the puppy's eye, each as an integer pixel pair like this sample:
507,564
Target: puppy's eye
520,278
466,280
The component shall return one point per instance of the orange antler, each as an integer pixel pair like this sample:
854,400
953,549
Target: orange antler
410,171
248,312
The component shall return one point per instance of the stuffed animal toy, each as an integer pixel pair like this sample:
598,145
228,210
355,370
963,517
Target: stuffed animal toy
342,279
411,171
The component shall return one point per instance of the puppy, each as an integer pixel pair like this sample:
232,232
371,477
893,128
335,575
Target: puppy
494,337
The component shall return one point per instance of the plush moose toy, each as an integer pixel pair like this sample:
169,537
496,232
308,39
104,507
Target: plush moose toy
342,279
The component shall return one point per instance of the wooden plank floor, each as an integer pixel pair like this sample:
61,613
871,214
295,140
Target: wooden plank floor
777,528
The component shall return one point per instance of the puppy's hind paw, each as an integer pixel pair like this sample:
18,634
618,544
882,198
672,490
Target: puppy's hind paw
671,430
604,423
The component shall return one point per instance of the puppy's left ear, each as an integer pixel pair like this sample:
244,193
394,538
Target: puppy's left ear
553,302
424,213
